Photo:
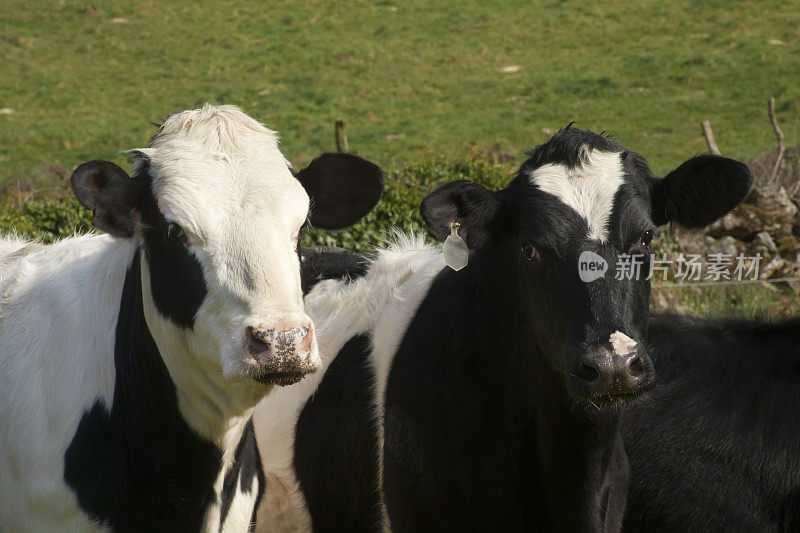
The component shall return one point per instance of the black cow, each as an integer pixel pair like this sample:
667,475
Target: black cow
714,447
495,388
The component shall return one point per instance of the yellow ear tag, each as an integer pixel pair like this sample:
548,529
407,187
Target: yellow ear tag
454,249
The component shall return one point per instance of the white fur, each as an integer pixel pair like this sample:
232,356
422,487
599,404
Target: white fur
220,175
53,368
589,188
382,304
621,343
10,244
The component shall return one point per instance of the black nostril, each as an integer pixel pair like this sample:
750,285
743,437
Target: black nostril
255,344
588,372
605,373
635,366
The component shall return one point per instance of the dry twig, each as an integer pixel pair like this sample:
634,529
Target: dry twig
796,187
712,146
779,134
341,136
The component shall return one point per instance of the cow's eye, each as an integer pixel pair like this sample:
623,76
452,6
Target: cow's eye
529,251
175,233
646,238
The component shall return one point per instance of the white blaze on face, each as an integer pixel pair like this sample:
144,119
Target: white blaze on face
621,343
589,188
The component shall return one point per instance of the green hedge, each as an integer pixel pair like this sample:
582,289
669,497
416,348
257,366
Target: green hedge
51,219
47,219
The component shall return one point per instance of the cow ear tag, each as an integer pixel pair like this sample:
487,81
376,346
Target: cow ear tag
454,249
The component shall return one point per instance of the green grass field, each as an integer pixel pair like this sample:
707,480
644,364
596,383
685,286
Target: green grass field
82,80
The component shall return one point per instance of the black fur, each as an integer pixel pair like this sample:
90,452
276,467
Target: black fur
336,447
136,465
327,418
176,277
329,262
107,190
479,432
457,200
568,147
342,187
245,468
714,447
459,423
121,205
700,191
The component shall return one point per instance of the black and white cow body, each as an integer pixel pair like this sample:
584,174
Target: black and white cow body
484,435
494,388
347,292
130,363
714,447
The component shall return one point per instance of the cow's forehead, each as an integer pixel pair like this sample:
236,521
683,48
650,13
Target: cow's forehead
218,162
588,187
216,129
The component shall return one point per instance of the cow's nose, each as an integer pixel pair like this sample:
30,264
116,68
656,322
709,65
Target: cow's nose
270,345
609,373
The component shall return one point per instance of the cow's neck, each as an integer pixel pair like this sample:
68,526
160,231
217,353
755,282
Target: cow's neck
577,446
212,405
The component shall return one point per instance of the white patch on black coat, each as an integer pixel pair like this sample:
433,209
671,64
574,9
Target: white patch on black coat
589,188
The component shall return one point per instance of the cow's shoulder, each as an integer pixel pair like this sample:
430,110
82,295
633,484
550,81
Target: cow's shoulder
137,452
58,310
690,348
722,385
475,449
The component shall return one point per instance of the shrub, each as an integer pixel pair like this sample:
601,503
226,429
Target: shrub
47,219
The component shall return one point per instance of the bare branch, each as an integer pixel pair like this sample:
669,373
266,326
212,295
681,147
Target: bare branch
779,134
796,187
341,136
712,146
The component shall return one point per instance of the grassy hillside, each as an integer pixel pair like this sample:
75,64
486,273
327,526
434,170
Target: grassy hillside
413,79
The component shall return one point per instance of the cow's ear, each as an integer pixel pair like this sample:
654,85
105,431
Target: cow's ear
699,191
474,207
342,187
110,193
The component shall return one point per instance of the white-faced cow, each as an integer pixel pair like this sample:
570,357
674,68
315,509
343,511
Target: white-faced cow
495,388
130,362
